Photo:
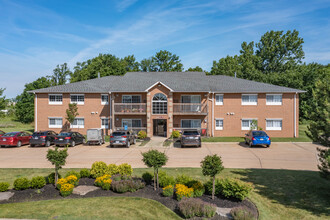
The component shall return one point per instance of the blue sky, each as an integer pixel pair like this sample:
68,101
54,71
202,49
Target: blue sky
35,36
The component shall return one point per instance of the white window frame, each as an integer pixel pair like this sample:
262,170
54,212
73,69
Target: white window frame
78,102
122,98
78,126
216,127
159,101
55,126
274,103
250,121
102,102
274,128
131,119
105,126
249,103
56,102
191,120
216,102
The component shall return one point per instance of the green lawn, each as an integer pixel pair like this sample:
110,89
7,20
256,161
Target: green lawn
8,124
278,194
302,137
89,208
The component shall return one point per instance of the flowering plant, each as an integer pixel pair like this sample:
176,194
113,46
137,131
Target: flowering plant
183,191
60,182
104,182
66,189
168,191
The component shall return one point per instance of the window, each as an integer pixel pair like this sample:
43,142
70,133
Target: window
274,124
249,99
105,123
246,124
79,99
219,99
131,123
193,103
55,99
104,99
78,123
191,123
159,104
55,122
191,99
131,99
218,124
273,99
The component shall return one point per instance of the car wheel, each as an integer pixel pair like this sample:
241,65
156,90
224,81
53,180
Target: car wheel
267,145
200,145
57,145
111,146
47,144
250,144
32,145
19,144
73,144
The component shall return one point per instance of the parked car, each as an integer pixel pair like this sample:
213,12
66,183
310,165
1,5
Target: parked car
2,133
95,136
44,138
191,138
17,139
257,138
69,138
122,138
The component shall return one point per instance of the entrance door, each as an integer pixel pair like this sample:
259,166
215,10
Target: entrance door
160,127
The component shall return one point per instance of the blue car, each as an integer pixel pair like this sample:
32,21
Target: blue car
257,138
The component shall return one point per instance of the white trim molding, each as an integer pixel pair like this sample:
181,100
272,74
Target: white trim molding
78,102
159,82
56,125
249,103
274,103
55,102
78,126
273,128
219,128
218,103
104,103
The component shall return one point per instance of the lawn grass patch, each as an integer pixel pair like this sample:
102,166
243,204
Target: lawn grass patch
8,124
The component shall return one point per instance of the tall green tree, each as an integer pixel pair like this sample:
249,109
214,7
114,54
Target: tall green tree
3,102
24,108
148,65
226,66
60,74
166,61
130,63
195,69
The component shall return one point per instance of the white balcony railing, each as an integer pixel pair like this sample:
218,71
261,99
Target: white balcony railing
130,108
189,108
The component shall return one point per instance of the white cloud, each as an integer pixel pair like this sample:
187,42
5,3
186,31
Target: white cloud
123,4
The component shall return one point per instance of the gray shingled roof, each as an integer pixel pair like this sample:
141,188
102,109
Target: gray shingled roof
177,81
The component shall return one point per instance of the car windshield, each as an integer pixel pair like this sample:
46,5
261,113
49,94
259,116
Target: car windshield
37,134
64,134
11,134
190,133
259,133
118,133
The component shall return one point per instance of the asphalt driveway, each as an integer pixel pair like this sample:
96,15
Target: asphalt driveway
295,156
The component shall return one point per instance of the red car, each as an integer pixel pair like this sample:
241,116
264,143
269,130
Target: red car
14,139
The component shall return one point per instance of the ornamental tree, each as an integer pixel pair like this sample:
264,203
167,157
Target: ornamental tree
57,158
72,112
211,166
155,159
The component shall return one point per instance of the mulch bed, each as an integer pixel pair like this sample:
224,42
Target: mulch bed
50,193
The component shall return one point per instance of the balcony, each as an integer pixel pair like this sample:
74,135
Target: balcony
130,108
189,109
135,129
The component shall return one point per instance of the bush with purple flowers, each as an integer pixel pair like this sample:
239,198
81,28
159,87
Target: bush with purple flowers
192,207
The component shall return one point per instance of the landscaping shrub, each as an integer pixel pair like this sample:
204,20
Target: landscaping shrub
231,188
130,185
61,182
104,182
21,183
197,186
113,169
73,173
72,180
196,208
183,191
142,134
165,180
183,179
125,169
38,182
147,177
66,189
208,187
85,173
175,134
242,213
51,178
168,191
4,186
99,168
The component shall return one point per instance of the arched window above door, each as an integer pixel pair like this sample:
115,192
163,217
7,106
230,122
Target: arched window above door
159,104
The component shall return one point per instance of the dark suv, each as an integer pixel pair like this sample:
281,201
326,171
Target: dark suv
122,138
43,138
191,138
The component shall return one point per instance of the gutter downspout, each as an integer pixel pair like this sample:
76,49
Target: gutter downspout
295,115
35,111
110,113
212,129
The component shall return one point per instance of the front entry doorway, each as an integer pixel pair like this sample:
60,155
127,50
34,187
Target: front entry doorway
160,127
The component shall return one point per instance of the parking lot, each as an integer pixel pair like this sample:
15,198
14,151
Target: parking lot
295,156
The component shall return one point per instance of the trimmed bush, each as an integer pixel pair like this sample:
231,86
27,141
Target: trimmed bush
104,182
130,185
142,134
85,173
165,180
51,178
242,213
168,191
147,177
208,187
113,169
38,182
72,180
198,187
73,173
183,179
175,134
21,183
99,168
66,189
196,208
125,169
4,186
183,191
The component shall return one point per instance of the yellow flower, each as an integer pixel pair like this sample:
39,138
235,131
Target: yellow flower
168,187
183,191
71,179
67,187
61,181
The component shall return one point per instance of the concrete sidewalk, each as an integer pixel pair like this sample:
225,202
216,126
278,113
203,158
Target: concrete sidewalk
295,156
